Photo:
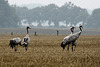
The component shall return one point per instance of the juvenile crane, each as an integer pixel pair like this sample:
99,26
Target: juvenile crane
71,39
26,39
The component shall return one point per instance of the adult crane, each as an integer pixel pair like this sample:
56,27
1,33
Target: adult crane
71,39
26,39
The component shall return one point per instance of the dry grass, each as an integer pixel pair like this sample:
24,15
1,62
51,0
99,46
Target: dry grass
45,51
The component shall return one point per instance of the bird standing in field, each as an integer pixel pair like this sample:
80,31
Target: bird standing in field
14,43
71,39
26,39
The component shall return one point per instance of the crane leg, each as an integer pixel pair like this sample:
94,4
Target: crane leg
72,47
16,46
63,48
68,48
26,48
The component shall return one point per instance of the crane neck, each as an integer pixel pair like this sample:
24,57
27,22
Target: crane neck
81,27
27,28
27,31
72,30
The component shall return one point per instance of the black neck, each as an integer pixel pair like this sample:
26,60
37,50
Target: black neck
72,30
27,31
80,28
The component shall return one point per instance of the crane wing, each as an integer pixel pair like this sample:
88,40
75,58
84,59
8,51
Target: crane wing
70,38
17,39
26,39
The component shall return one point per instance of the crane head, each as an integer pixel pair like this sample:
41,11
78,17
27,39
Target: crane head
80,27
28,27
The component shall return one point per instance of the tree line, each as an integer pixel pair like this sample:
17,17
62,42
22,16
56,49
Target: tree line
10,16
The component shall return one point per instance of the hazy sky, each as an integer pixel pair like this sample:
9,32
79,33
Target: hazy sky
90,4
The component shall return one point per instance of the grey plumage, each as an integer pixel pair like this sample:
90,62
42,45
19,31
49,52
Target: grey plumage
71,39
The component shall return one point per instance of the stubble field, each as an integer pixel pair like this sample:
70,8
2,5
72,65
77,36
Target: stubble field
45,51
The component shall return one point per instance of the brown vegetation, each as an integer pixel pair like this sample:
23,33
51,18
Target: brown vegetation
45,51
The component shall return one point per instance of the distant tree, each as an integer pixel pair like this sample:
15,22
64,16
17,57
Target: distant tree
8,17
94,19
68,13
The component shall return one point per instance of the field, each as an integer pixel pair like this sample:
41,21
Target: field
45,51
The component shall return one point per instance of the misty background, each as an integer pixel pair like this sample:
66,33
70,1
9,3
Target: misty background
51,15
48,16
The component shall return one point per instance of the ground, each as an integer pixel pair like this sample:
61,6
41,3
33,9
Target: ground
46,51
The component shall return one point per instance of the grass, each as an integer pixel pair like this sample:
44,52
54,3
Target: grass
45,51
